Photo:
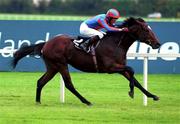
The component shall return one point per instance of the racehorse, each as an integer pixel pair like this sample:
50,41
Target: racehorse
111,52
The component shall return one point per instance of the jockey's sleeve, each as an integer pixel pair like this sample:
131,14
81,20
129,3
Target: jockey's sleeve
104,24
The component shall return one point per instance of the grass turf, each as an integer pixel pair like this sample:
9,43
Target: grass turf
108,93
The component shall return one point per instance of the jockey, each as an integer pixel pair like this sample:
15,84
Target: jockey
92,26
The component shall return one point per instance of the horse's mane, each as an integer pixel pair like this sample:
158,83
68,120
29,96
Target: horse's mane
131,21
127,23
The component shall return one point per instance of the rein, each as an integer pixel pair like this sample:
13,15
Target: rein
120,41
133,37
118,46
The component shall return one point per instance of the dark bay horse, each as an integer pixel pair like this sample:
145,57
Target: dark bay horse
60,51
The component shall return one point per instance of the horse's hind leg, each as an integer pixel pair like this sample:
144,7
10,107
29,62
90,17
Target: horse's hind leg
42,82
68,83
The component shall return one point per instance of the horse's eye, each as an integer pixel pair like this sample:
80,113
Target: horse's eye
147,28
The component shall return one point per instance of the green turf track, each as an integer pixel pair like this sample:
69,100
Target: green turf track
66,17
108,93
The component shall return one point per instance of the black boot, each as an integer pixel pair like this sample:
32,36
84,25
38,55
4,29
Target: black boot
86,44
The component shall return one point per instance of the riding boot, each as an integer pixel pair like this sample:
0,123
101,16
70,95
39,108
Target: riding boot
86,44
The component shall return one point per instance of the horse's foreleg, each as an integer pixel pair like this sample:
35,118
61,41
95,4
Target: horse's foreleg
68,84
42,82
128,73
148,94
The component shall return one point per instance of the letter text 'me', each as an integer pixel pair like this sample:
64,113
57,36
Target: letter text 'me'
169,48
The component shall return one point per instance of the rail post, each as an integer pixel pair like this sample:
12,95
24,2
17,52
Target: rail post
62,90
145,78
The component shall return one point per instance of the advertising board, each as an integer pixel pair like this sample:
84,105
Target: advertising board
14,34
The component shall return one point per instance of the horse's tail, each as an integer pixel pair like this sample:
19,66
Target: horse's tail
27,50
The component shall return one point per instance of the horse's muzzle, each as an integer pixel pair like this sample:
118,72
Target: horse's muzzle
156,46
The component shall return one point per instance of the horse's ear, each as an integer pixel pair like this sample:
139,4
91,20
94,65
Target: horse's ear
140,19
131,21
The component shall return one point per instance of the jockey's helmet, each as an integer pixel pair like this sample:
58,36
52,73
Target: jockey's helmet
112,13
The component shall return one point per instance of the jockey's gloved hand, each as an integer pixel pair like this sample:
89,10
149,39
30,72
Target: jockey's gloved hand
124,29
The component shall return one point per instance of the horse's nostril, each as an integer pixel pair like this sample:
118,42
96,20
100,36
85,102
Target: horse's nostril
158,45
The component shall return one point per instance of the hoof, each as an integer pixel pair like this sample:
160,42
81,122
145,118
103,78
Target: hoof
38,103
131,94
155,98
89,104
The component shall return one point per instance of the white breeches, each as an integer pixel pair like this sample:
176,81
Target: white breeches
85,30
